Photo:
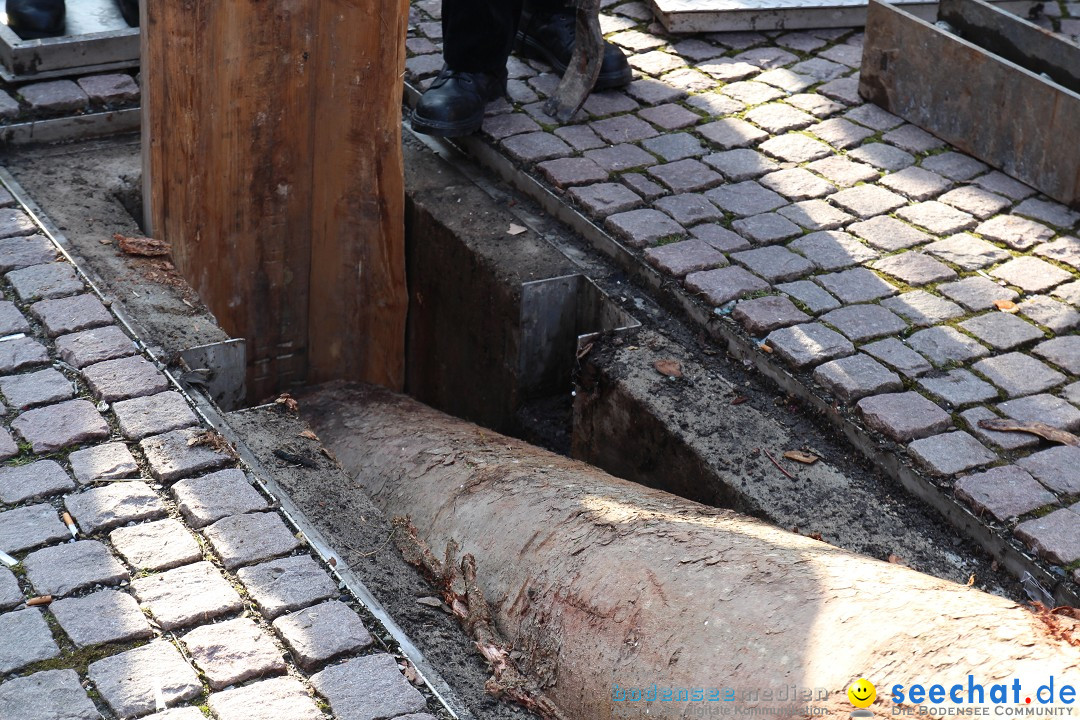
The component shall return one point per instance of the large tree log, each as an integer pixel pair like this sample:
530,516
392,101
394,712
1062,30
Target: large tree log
598,581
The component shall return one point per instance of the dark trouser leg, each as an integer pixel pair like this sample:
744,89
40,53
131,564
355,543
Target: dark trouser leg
479,34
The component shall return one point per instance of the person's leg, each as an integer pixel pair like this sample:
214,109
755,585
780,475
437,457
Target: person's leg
33,19
547,32
477,38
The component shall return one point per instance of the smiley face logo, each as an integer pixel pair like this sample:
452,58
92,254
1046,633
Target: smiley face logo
861,693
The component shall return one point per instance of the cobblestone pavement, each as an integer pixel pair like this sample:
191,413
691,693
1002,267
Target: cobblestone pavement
912,285
177,584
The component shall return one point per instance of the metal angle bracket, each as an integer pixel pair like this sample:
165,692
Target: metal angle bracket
218,369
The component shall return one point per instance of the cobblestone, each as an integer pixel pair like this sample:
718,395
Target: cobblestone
853,378
1057,316
953,165
160,545
874,117
675,146
70,314
728,133
27,640
976,201
287,584
37,479
209,498
246,539
111,461
1031,274
54,96
1065,250
967,251
47,695
856,285
93,346
186,595
815,215
1056,536
943,345
922,309
763,315
903,417
678,259
685,175
882,156
108,506
795,147
842,171
950,453
113,88
775,264
957,388
1055,468
724,284
779,117
233,651
36,388
1001,331
1063,352
889,234
860,323
766,228
20,353
11,594
916,183
643,186
914,268
937,217
604,199
813,297
175,455
15,223
153,414
688,208
1003,440
565,172
1018,374
322,633
1070,293
841,133
976,293
1043,408
367,688
669,116
797,184
59,426
1051,213
45,282
106,616
741,164
124,378
11,320
273,699
898,356
1004,492
535,146
64,569
809,344
865,201
720,237
912,138
130,682
1016,232
29,527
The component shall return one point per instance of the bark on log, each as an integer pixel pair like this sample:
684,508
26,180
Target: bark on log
599,581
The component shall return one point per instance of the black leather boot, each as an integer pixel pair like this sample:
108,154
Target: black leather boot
550,37
130,10
454,103
33,19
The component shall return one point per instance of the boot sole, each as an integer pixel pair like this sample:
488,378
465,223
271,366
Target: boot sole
527,47
446,129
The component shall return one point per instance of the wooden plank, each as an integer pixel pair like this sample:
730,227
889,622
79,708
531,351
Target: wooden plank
691,16
984,105
272,145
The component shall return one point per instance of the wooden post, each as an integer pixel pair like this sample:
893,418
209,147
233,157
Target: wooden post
272,155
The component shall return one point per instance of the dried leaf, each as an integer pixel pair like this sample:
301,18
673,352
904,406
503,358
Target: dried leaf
288,402
1041,429
896,560
333,562
800,456
971,580
143,247
515,229
670,368
430,601
739,400
1005,305
309,435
